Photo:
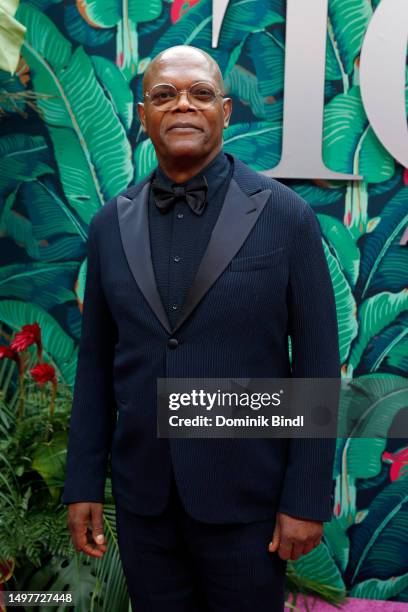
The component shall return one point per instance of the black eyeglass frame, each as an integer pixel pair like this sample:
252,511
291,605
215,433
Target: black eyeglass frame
217,91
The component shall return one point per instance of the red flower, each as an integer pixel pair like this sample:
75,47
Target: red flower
43,372
7,353
180,8
29,334
405,176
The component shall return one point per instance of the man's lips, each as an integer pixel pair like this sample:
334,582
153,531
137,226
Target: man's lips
179,126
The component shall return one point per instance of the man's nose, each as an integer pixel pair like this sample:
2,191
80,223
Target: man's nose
183,103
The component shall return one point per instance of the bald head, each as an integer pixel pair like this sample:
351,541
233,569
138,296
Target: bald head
182,55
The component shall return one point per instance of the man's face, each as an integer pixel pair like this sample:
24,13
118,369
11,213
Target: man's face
184,132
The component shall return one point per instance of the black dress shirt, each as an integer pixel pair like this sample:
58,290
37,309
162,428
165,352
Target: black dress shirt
179,237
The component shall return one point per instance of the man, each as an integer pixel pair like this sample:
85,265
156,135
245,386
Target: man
203,269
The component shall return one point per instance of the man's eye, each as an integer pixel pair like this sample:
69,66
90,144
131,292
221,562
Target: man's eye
203,93
162,96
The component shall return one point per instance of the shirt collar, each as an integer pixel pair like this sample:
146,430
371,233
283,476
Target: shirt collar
216,171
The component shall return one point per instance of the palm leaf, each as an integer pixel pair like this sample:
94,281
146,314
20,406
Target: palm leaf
22,158
78,29
389,349
319,568
374,588
342,245
116,88
348,22
345,304
46,284
108,569
243,84
268,56
349,144
374,315
377,548
257,144
383,241
90,143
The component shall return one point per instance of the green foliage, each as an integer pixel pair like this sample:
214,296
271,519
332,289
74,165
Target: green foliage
33,526
87,147
33,522
80,118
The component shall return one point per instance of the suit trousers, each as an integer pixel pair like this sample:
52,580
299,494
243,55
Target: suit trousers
175,563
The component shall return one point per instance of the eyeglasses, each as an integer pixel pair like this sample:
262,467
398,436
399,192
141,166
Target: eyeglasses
201,95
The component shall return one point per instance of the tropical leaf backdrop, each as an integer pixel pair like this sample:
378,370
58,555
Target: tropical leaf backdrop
76,142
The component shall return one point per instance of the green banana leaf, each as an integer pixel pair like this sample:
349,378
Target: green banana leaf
335,537
145,159
377,548
349,143
342,245
243,84
348,22
374,588
124,16
383,260
90,143
49,214
22,158
44,284
81,31
390,349
369,410
318,195
374,315
257,144
345,304
268,56
116,88
44,243
320,570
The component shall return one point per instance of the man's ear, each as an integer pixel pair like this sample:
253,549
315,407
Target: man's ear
227,104
142,115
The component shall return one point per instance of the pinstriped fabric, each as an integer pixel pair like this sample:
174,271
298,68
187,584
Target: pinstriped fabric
240,328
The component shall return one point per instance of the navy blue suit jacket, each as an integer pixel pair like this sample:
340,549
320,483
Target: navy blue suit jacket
263,277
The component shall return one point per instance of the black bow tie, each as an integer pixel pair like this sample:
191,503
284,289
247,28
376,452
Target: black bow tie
195,193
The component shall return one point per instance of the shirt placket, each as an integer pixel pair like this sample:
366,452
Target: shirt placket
177,260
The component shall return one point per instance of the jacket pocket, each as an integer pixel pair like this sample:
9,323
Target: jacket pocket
256,262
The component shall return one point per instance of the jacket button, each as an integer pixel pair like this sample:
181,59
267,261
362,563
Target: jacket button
172,343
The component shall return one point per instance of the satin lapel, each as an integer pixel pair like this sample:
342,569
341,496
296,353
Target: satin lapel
135,235
236,219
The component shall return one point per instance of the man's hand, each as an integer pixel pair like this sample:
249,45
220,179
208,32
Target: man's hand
293,537
81,515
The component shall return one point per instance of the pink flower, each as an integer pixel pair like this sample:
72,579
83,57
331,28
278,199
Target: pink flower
180,8
398,461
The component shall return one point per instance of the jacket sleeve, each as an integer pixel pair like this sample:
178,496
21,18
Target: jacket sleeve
93,409
308,486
